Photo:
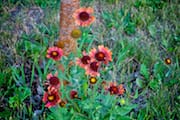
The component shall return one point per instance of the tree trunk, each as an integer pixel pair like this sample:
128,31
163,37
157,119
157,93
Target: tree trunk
67,24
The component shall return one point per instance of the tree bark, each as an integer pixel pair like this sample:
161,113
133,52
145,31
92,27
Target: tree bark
67,24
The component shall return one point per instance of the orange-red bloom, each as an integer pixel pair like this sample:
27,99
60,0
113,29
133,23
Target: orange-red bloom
73,94
51,98
93,69
113,88
65,82
103,54
53,82
84,61
83,16
54,53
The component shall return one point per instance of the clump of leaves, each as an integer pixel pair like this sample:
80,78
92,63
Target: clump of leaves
161,105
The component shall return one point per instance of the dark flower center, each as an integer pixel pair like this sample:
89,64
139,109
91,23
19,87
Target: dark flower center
51,98
54,80
94,66
113,90
100,56
85,59
84,16
54,53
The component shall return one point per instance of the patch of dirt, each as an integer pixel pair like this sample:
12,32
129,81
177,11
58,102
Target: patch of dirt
20,21
27,19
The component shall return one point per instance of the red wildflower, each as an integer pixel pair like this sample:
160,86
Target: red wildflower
73,94
51,98
103,54
54,53
113,88
53,82
84,61
83,16
92,69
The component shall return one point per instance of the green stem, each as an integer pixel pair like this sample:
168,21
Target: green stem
76,106
80,114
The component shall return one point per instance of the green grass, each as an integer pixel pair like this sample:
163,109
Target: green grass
141,35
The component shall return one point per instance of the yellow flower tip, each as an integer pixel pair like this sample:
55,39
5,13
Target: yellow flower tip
76,96
93,80
168,61
60,44
76,33
62,103
122,101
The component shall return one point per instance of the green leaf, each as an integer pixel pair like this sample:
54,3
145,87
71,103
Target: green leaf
158,70
24,93
152,30
85,87
139,82
136,94
137,4
144,71
141,114
33,47
13,101
130,28
125,109
154,84
168,73
2,78
123,118
172,82
21,94
5,114
58,113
